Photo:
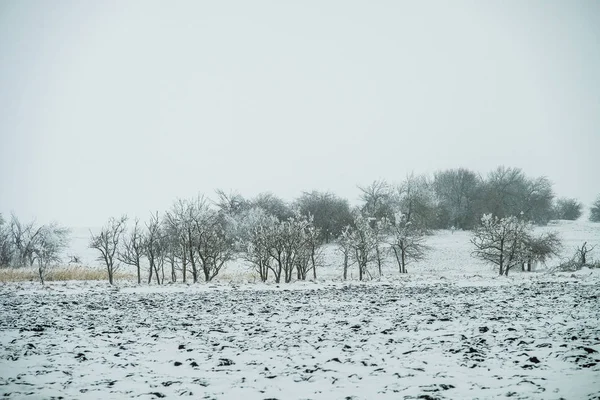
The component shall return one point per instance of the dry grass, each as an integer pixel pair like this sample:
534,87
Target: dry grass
61,273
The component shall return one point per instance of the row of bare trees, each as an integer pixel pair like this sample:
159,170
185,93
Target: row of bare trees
191,237
199,237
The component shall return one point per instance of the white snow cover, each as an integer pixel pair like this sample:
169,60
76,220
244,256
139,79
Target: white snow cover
450,329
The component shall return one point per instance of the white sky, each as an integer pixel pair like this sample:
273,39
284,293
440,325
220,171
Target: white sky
112,107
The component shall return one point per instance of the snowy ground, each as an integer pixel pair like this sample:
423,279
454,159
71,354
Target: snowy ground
527,339
449,329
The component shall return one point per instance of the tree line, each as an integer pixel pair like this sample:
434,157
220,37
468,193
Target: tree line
197,237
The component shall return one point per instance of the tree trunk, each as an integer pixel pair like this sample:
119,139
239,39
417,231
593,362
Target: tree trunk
156,272
397,259
150,275
345,266
173,273
403,253
378,260
184,266
41,271
501,263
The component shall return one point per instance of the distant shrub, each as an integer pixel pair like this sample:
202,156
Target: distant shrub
595,211
567,209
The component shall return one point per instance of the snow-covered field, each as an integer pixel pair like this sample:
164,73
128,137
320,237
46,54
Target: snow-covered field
448,329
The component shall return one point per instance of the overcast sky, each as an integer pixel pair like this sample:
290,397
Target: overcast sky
111,107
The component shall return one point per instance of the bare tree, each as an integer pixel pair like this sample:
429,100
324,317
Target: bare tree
51,242
178,222
282,247
107,243
132,249
457,191
362,240
213,245
172,248
541,248
284,243
537,200
344,246
307,247
415,200
406,241
254,236
312,243
378,200
508,191
501,241
155,248
582,253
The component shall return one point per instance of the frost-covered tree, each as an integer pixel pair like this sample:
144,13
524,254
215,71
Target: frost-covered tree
202,234
279,247
595,211
502,241
6,244
344,246
213,245
192,218
50,243
131,250
24,237
287,246
363,242
407,241
26,244
254,233
567,209
107,243
309,249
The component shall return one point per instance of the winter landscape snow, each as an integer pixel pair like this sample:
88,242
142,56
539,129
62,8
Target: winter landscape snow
450,328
